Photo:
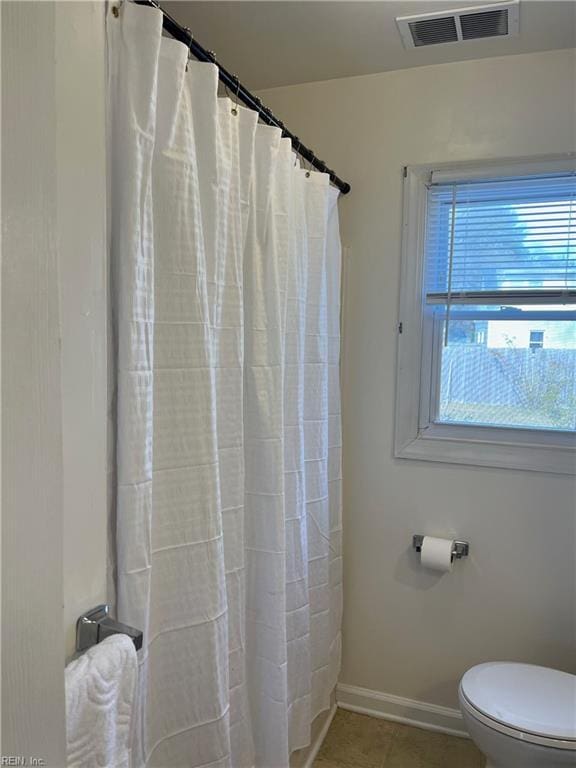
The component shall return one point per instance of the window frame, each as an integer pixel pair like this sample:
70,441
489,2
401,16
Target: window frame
416,435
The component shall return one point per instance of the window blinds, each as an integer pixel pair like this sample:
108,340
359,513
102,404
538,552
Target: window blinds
509,240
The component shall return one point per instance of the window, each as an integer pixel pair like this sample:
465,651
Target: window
487,349
536,339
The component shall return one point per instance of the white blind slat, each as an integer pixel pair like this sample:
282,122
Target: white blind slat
502,236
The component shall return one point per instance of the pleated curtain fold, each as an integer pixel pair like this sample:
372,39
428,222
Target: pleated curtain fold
225,263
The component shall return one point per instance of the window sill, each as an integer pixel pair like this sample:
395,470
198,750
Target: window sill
442,443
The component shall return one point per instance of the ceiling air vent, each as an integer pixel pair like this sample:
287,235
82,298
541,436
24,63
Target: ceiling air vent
479,22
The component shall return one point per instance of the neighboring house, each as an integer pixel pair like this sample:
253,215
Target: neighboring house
516,334
535,334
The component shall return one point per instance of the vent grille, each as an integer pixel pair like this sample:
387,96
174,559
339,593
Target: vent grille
495,20
486,24
434,31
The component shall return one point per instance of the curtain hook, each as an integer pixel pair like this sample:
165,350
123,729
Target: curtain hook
259,105
235,106
297,150
189,51
308,172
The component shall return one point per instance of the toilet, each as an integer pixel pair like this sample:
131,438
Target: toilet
520,715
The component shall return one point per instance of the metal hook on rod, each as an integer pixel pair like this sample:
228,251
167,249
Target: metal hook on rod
235,107
296,149
189,32
311,162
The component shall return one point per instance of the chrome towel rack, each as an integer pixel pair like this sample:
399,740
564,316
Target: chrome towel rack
96,625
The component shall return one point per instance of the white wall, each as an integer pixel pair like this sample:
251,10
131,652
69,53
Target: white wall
406,632
53,357
32,636
81,187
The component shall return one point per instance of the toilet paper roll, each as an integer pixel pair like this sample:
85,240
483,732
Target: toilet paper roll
437,553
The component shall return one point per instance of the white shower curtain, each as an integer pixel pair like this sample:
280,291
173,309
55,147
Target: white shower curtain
226,281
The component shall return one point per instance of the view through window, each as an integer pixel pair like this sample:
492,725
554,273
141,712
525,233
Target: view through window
500,291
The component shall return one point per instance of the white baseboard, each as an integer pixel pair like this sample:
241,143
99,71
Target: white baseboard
417,713
315,747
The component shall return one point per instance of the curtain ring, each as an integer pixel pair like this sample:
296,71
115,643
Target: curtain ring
234,109
189,51
309,171
259,104
262,111
297,150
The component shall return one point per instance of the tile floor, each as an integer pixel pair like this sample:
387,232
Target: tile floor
359,741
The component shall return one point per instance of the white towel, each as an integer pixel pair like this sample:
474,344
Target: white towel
100,690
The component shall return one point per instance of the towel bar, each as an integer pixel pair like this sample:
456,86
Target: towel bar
96,625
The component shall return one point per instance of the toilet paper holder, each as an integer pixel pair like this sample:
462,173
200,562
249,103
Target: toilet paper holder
459,550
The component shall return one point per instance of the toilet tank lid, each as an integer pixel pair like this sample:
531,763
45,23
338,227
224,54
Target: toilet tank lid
525,697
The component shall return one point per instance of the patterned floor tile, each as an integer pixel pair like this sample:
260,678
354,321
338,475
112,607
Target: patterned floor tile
360,741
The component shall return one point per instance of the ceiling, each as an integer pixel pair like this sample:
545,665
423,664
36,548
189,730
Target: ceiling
269,44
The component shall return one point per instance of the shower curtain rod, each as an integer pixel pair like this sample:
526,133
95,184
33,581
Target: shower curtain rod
231,82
